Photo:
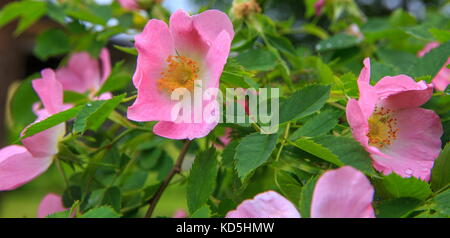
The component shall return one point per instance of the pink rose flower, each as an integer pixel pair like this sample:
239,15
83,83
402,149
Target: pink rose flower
85,74
21,164
388,123
442,78
50,204
129,4
194,48
339,193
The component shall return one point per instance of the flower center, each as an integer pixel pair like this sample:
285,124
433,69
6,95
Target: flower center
383,128
181,72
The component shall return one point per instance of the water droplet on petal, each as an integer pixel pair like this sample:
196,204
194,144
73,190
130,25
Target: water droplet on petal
408,171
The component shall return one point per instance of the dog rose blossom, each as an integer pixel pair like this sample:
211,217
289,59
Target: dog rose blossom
388,123
21,164
339,193
85,74
188,54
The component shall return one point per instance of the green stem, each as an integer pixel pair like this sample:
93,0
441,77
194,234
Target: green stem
176,169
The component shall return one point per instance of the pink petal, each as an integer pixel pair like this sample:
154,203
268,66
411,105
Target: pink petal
265,205
442,78
187,39
179,214
427,48
50,204
211,23
45,143
105,61
179,131
129,4
417,145
318,6
402,91
81,74
342,193
358,123
50,91
367,95
18,166
154,45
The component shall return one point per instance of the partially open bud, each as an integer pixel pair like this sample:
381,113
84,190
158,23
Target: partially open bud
243,8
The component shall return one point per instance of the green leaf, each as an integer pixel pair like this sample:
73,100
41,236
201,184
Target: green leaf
338,41
203,212
431,63
93,114
440,34
379,70
440,175
397,208
253,151
101,212
394,186
129,50
317,150
70,195
63,214
28,11
112,197
442,201
257,59
318,125
234,74
348,151
202,179
306,197
304,102
228,154
51,121
282,44
52,42
289,185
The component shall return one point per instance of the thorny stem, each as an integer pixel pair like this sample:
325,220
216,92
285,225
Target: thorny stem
176,169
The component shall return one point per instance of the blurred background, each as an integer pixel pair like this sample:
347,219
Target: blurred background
17,62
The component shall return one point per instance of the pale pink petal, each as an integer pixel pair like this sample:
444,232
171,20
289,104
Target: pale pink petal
45,143
427,48
417,145
187,39
81,74
18,166
358,123
442,78
211,23
105,61
129,4
50,91
265,205
318,6
179,214
367,95
179,131
342,193
50,204
402,91
154,45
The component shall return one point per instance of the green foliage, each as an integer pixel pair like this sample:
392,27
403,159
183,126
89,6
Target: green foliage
440,175
100,212
304,102
52,42
394,186
253,151
202,180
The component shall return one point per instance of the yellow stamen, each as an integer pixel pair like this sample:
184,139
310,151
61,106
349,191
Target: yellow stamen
383,128
181,72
